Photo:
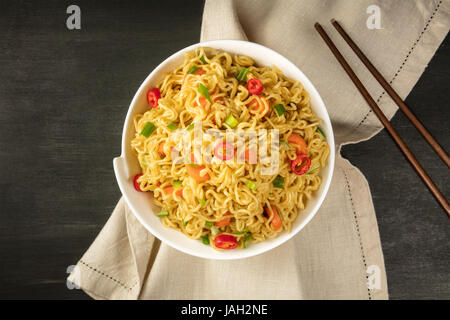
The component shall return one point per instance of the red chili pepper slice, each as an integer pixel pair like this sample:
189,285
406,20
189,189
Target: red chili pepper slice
137,186
301,164
224,151
258,105
225,241
254,86
153,96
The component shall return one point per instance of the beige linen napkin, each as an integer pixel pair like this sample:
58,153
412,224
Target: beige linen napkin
335,255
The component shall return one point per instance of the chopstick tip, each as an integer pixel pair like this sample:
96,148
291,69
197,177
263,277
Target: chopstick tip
332,20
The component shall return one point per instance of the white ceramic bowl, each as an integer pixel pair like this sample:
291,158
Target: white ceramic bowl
126,166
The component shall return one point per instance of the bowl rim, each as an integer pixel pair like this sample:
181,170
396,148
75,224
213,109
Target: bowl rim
119,162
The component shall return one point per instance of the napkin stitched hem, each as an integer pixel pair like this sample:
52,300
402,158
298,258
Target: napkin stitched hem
402,65
107,276
356,224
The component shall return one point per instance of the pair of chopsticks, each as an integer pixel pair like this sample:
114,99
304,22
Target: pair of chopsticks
376,109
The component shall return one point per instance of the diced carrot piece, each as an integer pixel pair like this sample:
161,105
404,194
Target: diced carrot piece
220,99
199,72
276,222
250,154
223,222
203,102
194,171
169,190
184,79
161,149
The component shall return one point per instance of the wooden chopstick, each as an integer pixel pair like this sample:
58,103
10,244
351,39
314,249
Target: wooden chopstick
376,109
400,103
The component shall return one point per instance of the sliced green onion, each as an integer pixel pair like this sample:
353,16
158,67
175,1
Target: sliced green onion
202,59
185,222
148,129
205,239
215,231
204,91
176,184
172,126
321,132
247,240
312,169
190,127
163,213
280,109
251,185
278,182
209,224
231,121
192,70
240,232
285,143
242,74
202,202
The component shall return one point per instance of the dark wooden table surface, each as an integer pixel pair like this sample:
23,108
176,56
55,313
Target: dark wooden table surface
63,98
